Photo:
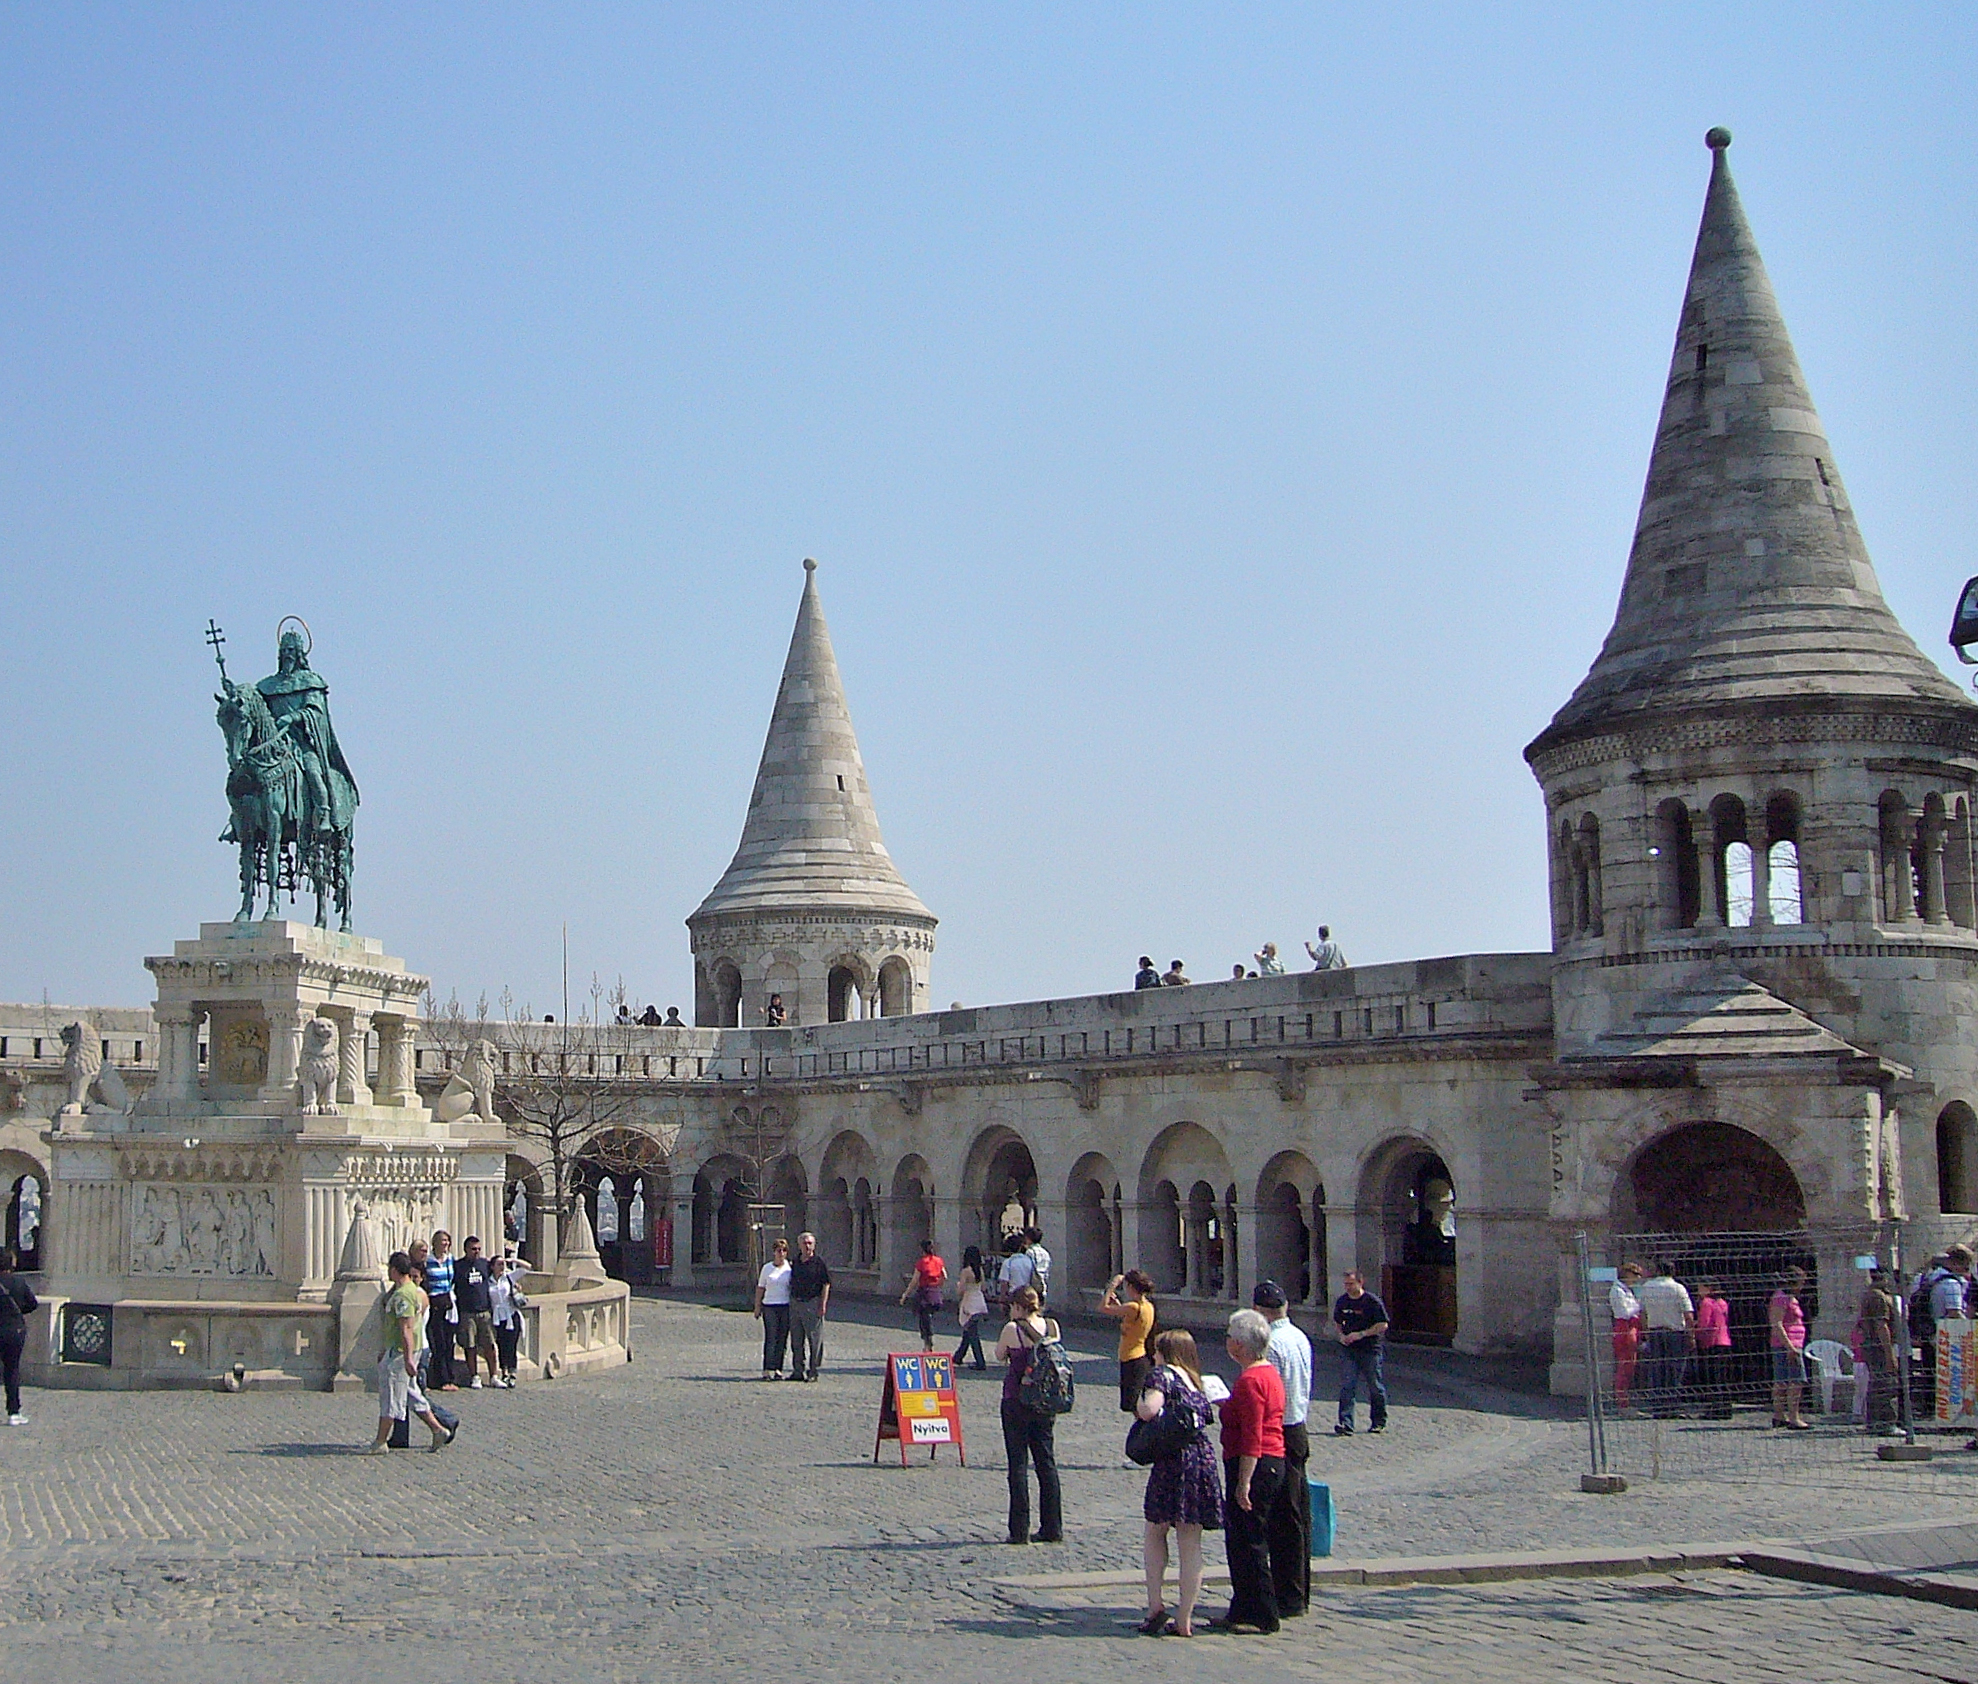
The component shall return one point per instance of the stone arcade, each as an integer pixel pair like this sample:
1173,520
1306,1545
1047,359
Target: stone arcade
1756,1011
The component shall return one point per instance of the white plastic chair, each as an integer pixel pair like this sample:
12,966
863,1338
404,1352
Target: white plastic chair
1833,1361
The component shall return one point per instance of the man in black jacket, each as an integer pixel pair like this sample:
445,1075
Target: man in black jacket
17,1303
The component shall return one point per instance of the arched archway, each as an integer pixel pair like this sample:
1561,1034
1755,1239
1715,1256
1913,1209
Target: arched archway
1184,1234
24,1188
1291,1233
1708,1178
789,1189
1408,1188
722,1195
1093,1244
1957,1159
895,988
846,988
999,1186
845,1232
912,1210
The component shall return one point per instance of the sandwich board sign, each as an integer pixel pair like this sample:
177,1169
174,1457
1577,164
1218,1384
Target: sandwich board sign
918,1405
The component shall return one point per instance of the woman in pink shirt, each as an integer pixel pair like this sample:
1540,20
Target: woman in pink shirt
1788,1323
1713,1351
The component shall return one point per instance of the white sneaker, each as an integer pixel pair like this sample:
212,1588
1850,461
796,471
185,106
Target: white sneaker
376,1449
17,1420
474,1385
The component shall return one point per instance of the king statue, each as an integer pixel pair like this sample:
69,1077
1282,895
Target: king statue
290,790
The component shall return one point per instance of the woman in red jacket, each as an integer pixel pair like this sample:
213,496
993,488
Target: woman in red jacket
1253,1468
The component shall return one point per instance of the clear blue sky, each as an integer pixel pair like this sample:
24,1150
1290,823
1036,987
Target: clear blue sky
1221,431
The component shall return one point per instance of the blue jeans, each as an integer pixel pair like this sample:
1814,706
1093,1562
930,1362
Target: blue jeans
1363,1362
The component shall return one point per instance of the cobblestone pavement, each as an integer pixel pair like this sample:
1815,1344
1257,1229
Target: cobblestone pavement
679,1516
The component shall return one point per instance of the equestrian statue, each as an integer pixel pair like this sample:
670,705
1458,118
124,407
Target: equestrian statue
293,800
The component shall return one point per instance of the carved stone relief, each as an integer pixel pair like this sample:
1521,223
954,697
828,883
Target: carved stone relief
203,1230
242,1057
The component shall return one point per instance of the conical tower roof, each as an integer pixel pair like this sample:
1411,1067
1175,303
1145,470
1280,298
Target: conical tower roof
811,841
1748,586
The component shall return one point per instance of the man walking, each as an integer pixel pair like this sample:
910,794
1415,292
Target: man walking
1288,1527
810,1298
1361,1319
404,1311
1040,1262
472,1279
1669,1316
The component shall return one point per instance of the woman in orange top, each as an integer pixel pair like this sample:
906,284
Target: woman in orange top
1136,1322
924,1286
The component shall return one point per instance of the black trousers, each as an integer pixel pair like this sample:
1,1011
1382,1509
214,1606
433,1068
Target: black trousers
1030,1437
1252,1595
1288,1527
508,1342
1133,1381
12,1342
439,1341
775,1336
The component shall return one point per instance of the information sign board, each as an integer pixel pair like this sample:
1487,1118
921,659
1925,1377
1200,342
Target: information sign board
1957,1386
918,1404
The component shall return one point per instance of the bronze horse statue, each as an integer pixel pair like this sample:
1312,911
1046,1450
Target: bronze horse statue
282,838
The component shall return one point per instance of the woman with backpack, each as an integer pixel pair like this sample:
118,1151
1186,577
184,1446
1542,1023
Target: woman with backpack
17,1303
924,1287
1028,1433
1184,1487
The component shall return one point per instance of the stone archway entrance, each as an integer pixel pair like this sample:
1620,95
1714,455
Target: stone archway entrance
1708,1178
1415,1197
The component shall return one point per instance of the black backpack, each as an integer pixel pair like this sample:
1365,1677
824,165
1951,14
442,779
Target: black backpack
1922,1317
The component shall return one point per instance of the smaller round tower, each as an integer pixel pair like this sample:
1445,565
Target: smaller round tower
812,907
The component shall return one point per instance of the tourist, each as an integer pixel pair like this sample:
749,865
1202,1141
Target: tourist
17,1303
1028,1434
1786,1319
1923,1333
971,1307
673,1019
1288,1526
1713,1352
475,1308
1236,973
437,1272
1326,956
1146,976
1135,1315
1361,1322
1669,1324
773,1014
1877,1375
649,1018
924,1287
404,1310
1174,977
810,1299
1016,1271
506,1304
1184,1488
1040,1262
772,1308
1625,1308
1253,1469
1268,963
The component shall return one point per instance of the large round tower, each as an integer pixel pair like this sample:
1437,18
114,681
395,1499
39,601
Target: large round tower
812,907
1758,805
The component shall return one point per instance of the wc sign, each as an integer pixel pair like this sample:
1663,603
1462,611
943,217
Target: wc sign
918,1404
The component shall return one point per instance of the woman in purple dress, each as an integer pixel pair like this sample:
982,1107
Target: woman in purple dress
1184,1490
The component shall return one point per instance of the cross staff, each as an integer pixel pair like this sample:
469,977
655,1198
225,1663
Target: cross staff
217,639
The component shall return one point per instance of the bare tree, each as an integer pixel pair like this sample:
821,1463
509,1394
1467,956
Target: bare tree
568,1088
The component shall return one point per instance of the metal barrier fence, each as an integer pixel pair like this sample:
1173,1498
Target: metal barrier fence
1712,1395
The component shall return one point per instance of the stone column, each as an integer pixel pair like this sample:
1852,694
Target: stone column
1709,915
178,1051
284,1051
353,1084
1761,882
682,1273
1932,836
395,1061
1898,886
1198,1254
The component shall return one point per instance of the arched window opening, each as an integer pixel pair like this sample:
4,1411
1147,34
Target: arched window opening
1727,832
23,1222
895,988
1737,884
725,991
1565,881
1958,874
1957,1159
841,995
1901,887
1584,897
1674,852
607,1212
635,1215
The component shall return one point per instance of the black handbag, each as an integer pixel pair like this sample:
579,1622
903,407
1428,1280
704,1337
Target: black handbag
1148,1442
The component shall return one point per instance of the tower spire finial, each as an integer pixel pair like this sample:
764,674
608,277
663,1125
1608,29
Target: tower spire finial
1718,139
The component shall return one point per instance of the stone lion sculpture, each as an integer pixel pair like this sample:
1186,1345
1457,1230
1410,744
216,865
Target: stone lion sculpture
319,1068
82,1059
469,1090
